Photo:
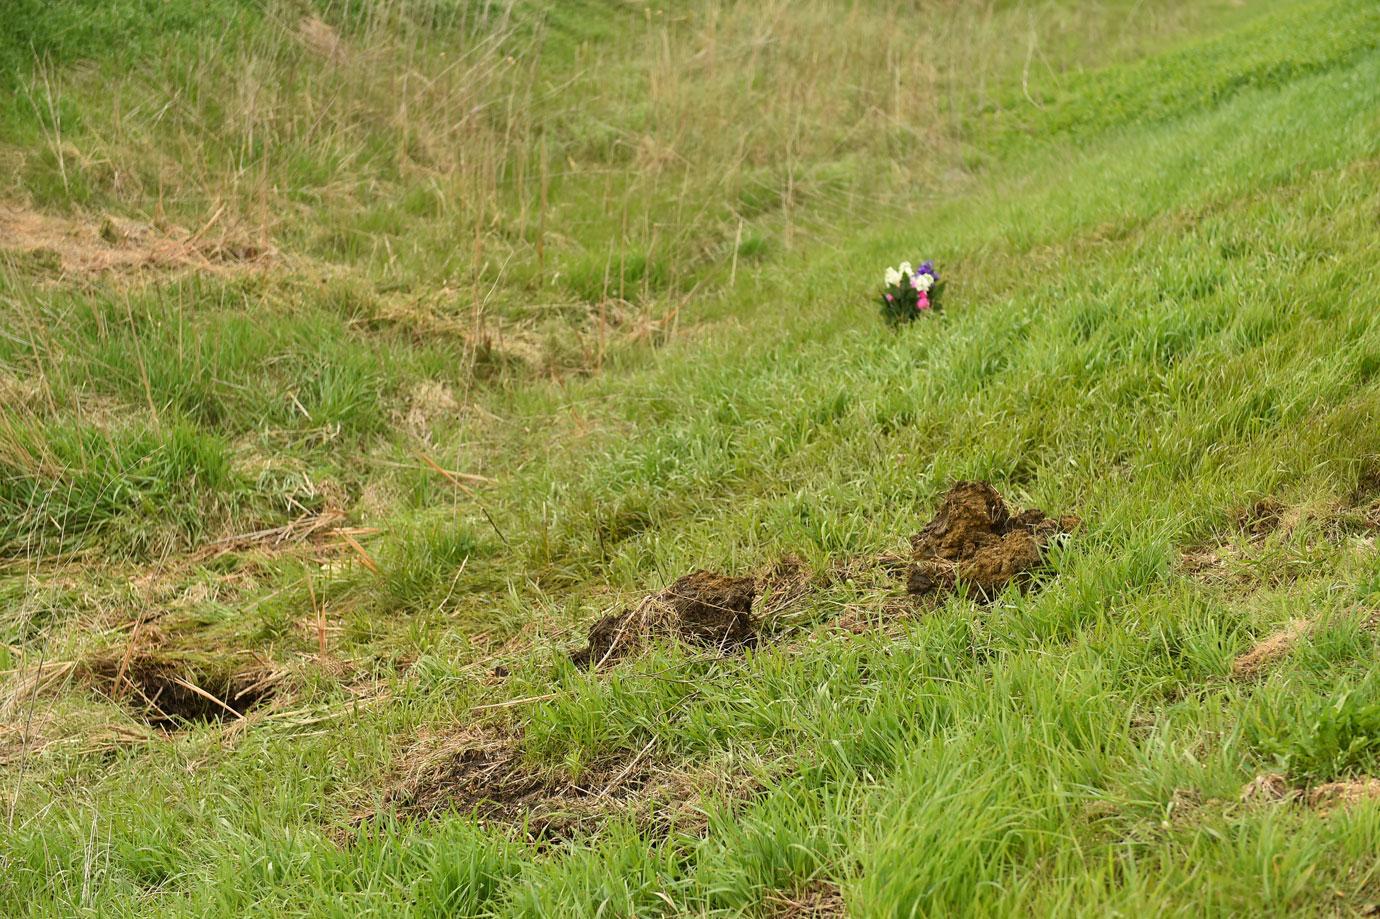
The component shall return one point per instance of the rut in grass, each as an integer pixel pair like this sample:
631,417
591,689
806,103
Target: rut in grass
483,772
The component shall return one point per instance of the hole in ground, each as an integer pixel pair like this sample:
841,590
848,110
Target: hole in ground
173,691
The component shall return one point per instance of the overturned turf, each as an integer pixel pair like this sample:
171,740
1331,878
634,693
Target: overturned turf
703,608
975,540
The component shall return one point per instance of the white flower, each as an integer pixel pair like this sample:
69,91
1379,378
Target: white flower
893,277
905,268
922,281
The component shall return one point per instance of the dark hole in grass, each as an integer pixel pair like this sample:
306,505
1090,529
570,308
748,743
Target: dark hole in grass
173,692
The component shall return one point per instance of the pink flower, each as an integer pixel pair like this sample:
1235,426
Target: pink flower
924,302
889,298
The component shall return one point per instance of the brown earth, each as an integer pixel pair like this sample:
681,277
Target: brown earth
1329,797
702,608
975,540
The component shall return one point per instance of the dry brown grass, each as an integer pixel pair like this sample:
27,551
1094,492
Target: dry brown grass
114,244
819,899
1271,649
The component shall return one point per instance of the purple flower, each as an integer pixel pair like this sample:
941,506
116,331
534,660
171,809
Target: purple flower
927,267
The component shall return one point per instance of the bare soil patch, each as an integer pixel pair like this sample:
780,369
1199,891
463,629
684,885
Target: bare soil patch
483,773
1333,795
975,540
118,245
703,608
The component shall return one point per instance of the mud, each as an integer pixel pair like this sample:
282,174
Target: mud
702,608
173,691
976,541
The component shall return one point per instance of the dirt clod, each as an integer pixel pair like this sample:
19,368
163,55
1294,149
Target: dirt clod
1271,649
703,608
714,610
974,539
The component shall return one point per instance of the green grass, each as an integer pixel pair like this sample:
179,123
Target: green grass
628,300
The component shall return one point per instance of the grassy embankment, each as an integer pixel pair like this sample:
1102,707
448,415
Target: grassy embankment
609,267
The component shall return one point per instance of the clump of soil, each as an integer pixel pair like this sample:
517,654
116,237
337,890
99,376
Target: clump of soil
174,690
1271,649
975,540
703,608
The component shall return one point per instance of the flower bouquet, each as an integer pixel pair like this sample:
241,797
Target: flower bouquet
910,293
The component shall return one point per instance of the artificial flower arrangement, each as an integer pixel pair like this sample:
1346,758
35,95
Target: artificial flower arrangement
910,293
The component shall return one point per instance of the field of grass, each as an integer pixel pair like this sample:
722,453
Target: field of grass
356,358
